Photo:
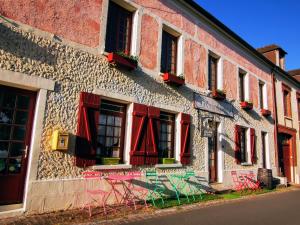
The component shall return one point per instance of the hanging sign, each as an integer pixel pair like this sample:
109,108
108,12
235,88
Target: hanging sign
205,103
207,126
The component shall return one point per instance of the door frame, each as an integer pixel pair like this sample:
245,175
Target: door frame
41,86
292,132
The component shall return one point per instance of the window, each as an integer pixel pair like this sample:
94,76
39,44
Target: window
261,94
243,138
242,86
110,130
212,73
287,103
166,135
118,30
168,62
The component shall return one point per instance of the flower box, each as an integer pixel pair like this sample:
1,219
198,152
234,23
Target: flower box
122,60
110,161
167,160
218,94
247,105
265,112
173,79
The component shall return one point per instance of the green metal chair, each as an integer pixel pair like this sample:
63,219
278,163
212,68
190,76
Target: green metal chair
156,188
192,182
179,186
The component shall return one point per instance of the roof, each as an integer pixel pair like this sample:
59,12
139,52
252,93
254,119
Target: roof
238,39
271,47
294,72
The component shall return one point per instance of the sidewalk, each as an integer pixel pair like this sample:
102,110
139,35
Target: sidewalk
124,216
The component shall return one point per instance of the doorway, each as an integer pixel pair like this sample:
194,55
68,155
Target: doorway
213,155
16,118
285,156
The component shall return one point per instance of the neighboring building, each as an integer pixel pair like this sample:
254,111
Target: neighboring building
54,75
287,103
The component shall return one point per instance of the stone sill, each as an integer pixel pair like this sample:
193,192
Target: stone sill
175,165
111,167
246,164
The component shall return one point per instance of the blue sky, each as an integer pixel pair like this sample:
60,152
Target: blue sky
262,22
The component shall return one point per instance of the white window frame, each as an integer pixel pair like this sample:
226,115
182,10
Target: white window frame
265,95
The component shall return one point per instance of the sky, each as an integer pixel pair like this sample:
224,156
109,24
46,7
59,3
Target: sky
262,22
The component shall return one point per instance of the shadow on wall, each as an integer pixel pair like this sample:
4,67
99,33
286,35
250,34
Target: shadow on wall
20,46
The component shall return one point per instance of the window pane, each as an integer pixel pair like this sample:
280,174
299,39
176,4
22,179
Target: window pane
118,121
101,130
14,165
6,116
21,117
102,119
2,165
19,133
110,120
16,149
109,142
109,131
23,102
5,132
117,132
3,149
9,100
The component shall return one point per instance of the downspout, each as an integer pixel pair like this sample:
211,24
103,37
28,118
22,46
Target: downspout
275,123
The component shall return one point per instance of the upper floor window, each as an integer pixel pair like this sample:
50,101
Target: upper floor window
166,135
111,129
287,101
242,91
212,73
118,30
168,53
262,97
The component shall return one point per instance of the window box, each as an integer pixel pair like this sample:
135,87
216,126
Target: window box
110,161
129,62
167,160
173,79
265,112
247,105
218,94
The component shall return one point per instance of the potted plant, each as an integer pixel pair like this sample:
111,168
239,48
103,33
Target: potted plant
247,105
173,79
265,112
218,94
123,60
167,160
110,161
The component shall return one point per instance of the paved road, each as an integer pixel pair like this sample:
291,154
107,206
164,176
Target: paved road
281,208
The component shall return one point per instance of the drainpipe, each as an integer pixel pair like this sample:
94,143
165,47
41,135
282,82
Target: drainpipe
275,123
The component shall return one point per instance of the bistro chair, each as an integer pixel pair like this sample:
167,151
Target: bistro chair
239,183
193,184
140,193
155,187
94,196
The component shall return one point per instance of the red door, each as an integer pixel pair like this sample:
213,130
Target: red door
16,116
287,161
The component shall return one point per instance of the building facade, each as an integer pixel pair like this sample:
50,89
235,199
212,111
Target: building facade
55,75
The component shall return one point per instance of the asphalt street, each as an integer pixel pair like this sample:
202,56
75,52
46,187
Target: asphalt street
274,209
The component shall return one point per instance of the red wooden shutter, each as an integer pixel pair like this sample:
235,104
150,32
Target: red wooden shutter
237,150
86,141
138,134
185,151
253,145
152,135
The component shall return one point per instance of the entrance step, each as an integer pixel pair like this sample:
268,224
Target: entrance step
219,188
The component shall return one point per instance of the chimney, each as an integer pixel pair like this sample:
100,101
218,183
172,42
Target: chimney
275,54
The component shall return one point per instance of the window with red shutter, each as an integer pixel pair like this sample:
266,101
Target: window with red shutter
185,153
118,30
86,141
253,145
166,135
138,134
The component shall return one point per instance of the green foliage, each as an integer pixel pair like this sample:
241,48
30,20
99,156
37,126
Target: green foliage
130,57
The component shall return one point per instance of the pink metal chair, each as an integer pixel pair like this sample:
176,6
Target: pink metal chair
238,182
139,192
94,196
252,182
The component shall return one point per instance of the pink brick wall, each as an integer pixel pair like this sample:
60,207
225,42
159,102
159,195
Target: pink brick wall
253,85
78,21
195,64
149,42
230,79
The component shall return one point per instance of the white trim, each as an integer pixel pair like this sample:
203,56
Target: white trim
134,33
20,80
267,153
247,87
175,165
127,137
111,167
248,140
220,155
180,56
177,135
265,96
220,74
